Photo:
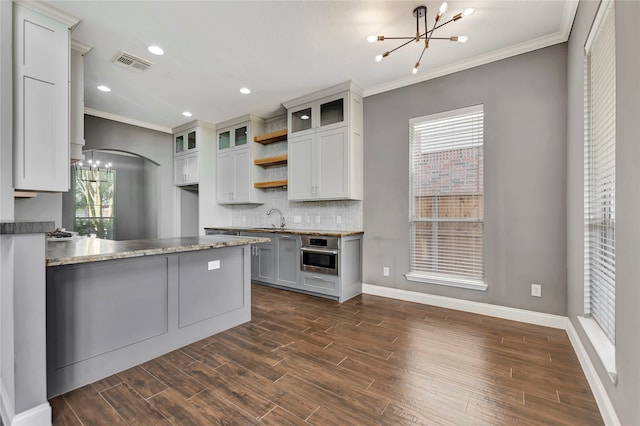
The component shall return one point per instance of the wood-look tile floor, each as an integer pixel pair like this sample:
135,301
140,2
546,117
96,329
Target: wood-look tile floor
370,361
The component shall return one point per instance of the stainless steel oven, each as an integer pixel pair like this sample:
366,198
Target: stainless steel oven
319,254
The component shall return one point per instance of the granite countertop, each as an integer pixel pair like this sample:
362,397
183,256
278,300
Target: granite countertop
84,249
311,232
24,227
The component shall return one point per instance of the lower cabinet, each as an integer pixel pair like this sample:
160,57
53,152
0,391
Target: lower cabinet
105,317
277,263
262,267
320,283
287,260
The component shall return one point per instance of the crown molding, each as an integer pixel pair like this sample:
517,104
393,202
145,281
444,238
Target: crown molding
81,47
561,36
127,120
50,11
191,125
338,88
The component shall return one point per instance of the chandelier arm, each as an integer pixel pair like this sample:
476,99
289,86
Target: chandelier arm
420,58
399,38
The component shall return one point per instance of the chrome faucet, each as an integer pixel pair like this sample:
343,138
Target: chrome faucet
282,222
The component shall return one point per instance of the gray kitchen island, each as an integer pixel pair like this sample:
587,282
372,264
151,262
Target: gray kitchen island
112,305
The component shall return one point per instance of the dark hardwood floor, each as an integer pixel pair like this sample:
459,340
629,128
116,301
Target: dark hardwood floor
369,361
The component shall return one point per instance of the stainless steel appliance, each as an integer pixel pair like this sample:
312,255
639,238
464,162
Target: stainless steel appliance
319,254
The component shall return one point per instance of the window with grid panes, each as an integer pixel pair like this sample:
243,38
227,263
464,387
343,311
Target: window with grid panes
600,171
447,196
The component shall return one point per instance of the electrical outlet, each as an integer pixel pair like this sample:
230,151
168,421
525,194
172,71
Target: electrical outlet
244,219
338,219
308,219
536,290
317,219
385,271
297,219
213,264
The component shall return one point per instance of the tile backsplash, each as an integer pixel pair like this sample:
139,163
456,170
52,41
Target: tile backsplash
312,215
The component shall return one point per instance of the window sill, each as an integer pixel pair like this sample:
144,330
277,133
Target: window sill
604,348
467,283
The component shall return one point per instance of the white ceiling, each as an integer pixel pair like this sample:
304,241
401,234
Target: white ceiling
282,50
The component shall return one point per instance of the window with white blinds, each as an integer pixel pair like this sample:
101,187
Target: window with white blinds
600,171
447,189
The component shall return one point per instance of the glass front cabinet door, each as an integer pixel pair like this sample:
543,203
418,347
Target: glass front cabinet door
327,113
233,137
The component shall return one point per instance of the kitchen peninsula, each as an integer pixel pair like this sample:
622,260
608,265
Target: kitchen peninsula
114,304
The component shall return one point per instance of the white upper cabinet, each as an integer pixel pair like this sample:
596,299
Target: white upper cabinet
41,78
325,145
236,171
186,158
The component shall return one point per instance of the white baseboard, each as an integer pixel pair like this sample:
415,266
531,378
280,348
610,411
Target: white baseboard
6,406
597,388
548,320
40,415
530,317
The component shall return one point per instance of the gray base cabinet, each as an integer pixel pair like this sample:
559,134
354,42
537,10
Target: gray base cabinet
277,264
105,317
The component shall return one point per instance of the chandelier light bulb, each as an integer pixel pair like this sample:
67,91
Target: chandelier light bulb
468,11
443,8
463,39
415,68
372,39
378,58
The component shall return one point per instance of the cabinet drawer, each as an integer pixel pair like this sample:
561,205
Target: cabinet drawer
320,283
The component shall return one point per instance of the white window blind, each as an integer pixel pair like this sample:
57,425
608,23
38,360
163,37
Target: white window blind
447,209
600,171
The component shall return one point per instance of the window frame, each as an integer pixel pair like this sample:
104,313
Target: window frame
111,218
430,277
601,342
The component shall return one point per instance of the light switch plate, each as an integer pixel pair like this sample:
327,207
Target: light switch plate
317,219
214,264
297,219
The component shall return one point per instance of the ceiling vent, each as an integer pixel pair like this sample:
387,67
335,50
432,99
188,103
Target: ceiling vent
132,62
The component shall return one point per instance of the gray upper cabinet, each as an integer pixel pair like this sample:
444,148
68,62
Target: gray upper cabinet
325,152
186,155
41,78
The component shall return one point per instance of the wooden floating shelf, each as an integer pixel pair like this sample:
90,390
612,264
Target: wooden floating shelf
271,184
24,194
277,136
271,161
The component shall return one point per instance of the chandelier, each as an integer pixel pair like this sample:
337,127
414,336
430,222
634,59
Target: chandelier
93,165
420,12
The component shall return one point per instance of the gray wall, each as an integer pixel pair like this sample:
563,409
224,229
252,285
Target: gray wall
525,106
131,210
45,206
150,144
626,394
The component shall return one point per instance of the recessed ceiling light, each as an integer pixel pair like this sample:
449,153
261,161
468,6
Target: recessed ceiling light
187,114
104,88
304,117
245,90
156,50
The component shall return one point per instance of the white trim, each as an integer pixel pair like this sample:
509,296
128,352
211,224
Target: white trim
514,314
7,410
538,318
467,283
329,91
191,125
603,9
507,52
81,47
49,11
597,388
602,345
127,120
40,415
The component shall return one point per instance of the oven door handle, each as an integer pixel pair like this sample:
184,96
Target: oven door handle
318,250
